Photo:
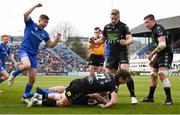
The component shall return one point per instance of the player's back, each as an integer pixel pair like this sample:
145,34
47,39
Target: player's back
98,83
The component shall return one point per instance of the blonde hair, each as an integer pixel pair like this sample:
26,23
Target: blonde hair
5,35
115,12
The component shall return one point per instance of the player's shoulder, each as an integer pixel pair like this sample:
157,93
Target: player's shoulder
107,25
159,27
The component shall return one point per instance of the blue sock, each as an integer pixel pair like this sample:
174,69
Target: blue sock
28,88
45,91
1,79
16,72
40,91
28,95
48,91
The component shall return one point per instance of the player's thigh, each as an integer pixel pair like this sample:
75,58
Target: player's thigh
164,60
34,61
63,101
112,63
123,61
57,88
24,58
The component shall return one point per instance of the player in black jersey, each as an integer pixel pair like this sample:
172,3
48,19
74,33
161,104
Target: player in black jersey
160,59
89,85
119,37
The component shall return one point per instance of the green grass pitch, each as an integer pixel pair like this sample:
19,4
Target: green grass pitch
10,99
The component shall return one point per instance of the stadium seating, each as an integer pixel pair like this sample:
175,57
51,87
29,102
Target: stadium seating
60,59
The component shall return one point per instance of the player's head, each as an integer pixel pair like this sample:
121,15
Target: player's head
123,76
5,39
43,20
114,16
149,21
97,32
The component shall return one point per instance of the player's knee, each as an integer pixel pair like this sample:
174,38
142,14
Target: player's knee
163,72
154,74
25,66
166,83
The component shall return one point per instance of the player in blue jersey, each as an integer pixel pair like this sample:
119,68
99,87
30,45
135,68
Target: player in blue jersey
4,55
34,34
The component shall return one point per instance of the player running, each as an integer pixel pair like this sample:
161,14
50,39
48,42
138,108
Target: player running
34,34
4,55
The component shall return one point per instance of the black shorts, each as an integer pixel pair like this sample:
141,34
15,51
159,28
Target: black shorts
96,60
164,60
74,91
114,61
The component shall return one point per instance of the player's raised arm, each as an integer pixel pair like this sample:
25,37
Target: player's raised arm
28,12
51,43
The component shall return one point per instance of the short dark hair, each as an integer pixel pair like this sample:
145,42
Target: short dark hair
97,28
123,73
43,17
150,16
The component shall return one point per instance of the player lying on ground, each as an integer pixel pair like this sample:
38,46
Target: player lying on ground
79,88
92,99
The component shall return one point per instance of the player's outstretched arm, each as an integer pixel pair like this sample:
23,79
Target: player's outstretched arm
98,98
28,12
113,101
51,43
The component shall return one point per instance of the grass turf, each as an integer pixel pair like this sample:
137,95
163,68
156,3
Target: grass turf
10,99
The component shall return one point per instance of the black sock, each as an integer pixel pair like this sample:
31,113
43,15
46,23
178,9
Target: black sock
168,92
49,102
151,92
44,96
130,85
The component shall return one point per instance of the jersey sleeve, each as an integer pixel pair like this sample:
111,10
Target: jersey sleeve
46,37
160,31
126,30
105,32
29,22
116,88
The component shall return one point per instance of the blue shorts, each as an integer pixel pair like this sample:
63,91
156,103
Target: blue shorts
2,67
33,58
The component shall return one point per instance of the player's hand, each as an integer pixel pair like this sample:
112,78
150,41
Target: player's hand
123,42
91,40
101,105
58,35
39,5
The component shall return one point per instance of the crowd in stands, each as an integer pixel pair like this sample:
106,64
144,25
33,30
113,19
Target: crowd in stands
58,60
